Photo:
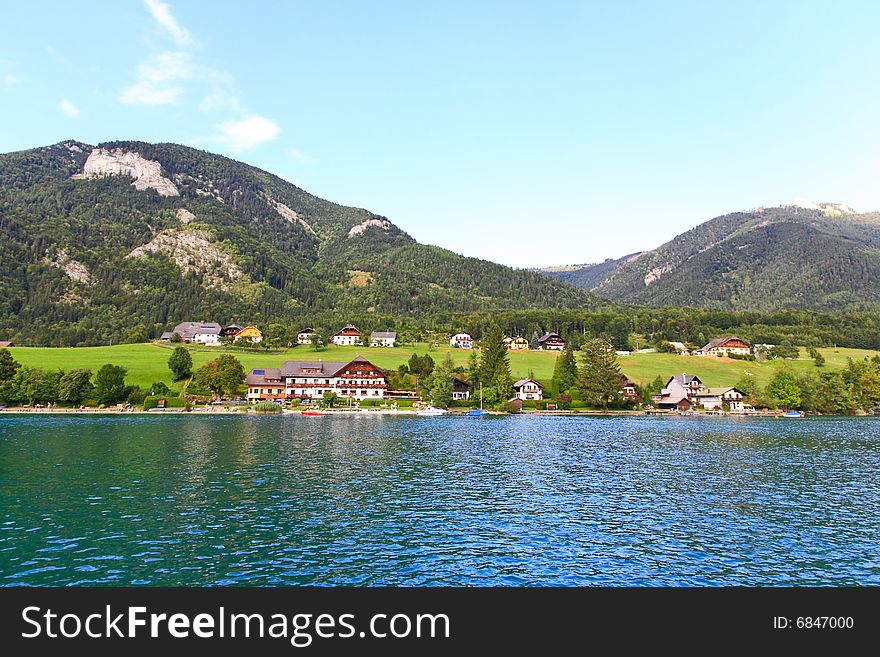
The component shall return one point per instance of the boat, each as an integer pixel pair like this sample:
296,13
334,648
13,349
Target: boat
313,413
793,414
478,412
431,410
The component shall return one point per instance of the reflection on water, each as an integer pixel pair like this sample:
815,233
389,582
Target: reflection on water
372,500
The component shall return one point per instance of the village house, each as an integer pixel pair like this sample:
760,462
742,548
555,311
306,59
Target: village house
230,331
205,333
518,343
461,390
252,332
6,343
725,346
527,389
265,384
356,379
349,336
628,389
383,338
680,348
689,387
305,336
507,340
552,341
461,341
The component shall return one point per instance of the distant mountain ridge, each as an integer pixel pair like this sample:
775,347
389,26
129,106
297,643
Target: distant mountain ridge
819,256
97,239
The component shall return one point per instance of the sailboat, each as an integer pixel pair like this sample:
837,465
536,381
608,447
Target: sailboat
478,412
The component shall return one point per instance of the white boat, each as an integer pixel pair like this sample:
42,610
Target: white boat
431,410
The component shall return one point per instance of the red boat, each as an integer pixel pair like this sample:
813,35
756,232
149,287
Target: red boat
313,413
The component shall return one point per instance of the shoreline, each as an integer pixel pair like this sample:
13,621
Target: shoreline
229,411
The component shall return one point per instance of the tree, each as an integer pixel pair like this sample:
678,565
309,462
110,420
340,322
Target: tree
494,367
474,370
175,338
277,336
110,384
75,386
137,334
317,341
159,389
653,388
222,375
440,389
599,375
8,365
180,363
330,399
751,391
783,389
565,372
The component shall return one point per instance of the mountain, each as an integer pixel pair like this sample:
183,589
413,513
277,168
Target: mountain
814,256
99,239
588,276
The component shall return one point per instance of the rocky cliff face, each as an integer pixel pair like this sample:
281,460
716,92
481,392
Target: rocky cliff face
147,174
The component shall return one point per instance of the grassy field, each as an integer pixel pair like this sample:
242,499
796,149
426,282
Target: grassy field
148,363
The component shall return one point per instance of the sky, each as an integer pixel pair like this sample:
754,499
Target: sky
530,134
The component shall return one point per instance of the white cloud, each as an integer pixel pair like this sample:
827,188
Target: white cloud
69,108
158,80
242,134
161,13
220,99
9,79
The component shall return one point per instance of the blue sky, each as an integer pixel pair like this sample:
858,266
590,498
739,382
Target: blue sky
525,133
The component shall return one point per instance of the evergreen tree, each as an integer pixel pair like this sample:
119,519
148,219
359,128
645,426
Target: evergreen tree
440,392
474,370
599,375
180,363
565,372
494,367
8,365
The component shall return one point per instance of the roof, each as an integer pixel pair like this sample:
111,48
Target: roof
296,367
167,335
262,375
463,335
237,327
461,382
522,382
720,342
717,392
7,343
384,335
684,379
549,336
307,330
348,328
189,329
678,345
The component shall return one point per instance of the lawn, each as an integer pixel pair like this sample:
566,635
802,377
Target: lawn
148,363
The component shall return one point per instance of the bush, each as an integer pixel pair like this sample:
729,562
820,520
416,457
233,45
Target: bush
510,407
563,400
741,356
136,396
369,403
266,407
170,402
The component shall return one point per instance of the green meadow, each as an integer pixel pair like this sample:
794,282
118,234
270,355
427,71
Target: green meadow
148,363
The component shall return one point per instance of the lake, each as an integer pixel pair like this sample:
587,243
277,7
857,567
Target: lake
376,500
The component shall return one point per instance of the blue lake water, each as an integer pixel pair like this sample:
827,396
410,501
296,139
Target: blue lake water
373,500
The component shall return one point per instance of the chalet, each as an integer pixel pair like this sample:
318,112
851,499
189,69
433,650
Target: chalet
628,389
266,384
680,348
205,333
305,336
526,389
552,341
230,331
6,343
725,346
461,341
518,343
356,379
713,399
383,338
461,390
251,332
508,341
349,336
689,387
